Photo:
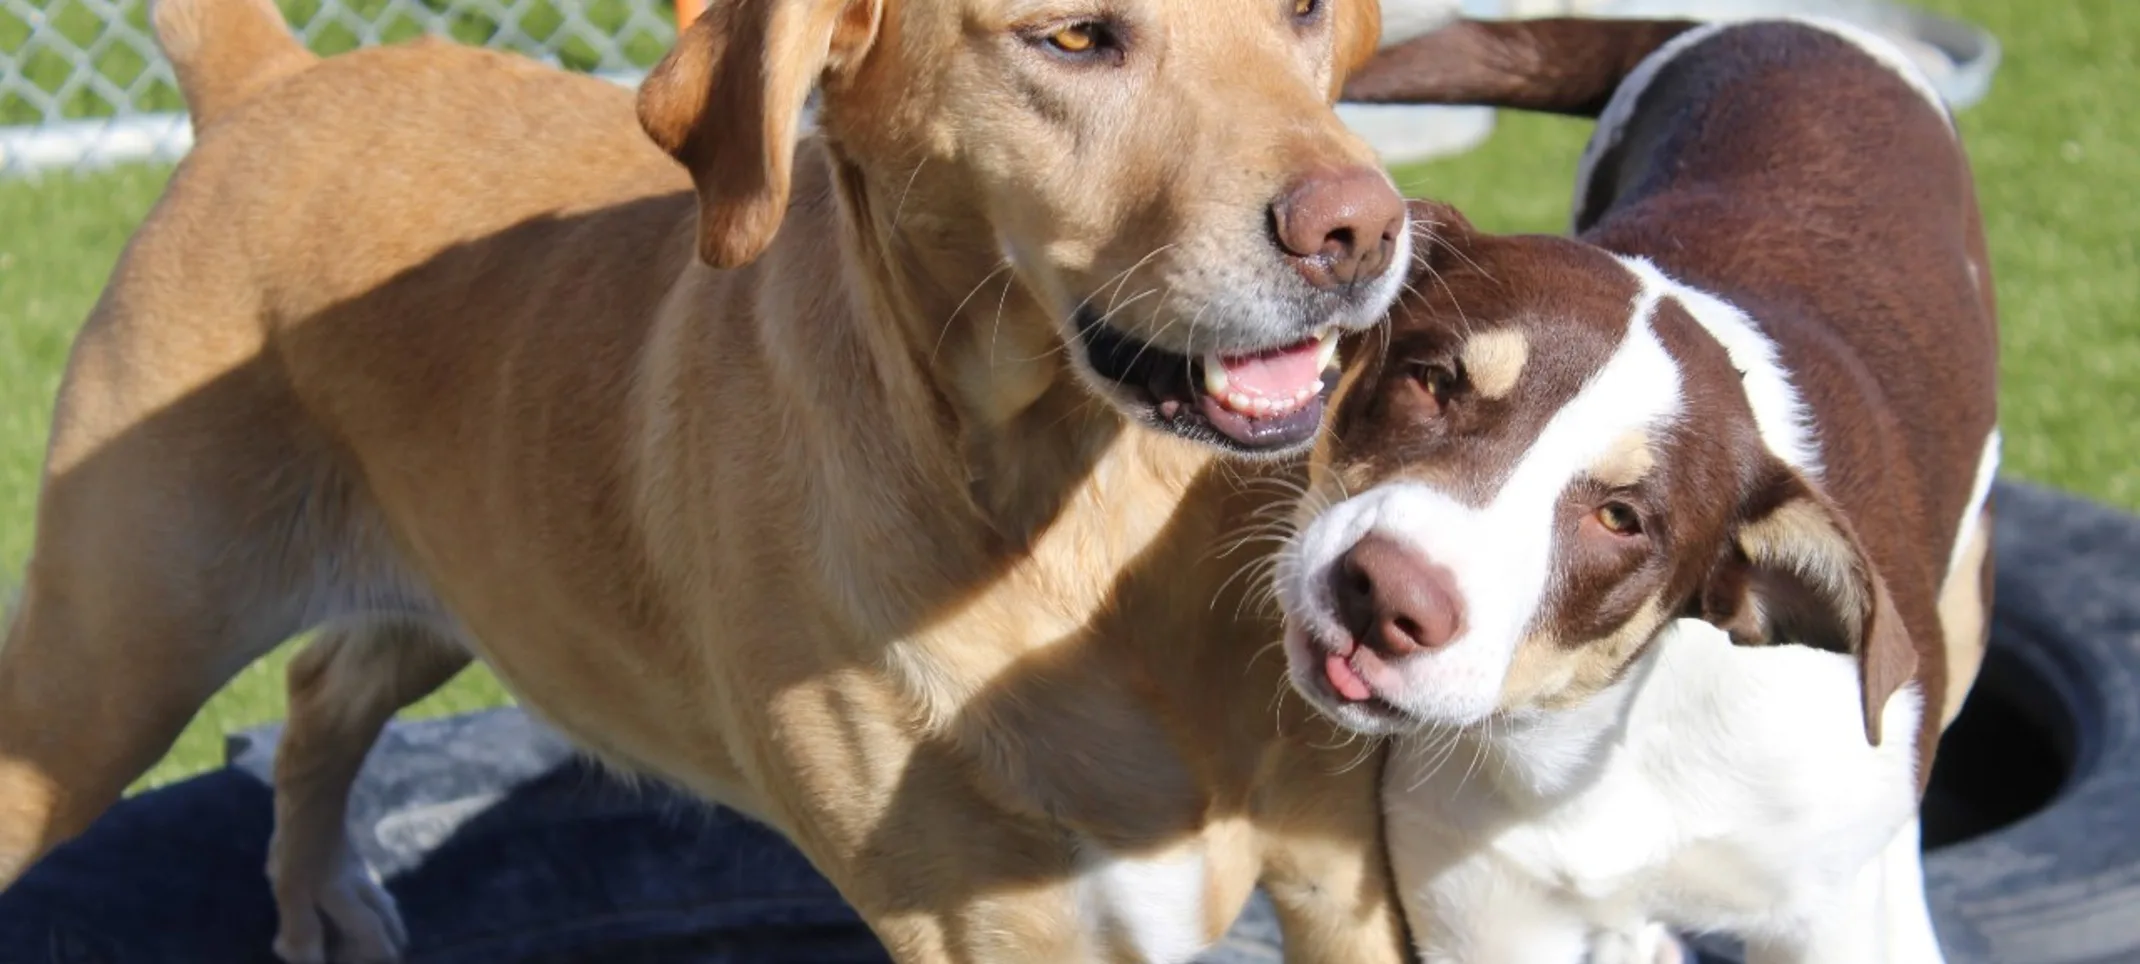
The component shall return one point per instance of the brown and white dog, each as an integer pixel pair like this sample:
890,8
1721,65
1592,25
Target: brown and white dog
874,480
1664,547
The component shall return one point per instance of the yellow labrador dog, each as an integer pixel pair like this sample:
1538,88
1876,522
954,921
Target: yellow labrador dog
875,481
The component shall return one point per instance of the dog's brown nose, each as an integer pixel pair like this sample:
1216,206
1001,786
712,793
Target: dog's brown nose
1393,601
1339,227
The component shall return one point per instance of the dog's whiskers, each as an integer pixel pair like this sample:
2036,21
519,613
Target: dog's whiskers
1002,302
1442,748
952,319
1115,284
900,209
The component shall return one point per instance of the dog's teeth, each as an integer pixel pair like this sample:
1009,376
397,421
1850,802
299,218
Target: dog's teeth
1263,406
1238,402
1326,353
1214,376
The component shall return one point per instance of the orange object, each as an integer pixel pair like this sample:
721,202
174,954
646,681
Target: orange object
688,11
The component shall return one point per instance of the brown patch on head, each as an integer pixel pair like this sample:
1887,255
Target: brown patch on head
1496,336
1695,517
1493,361
1499,335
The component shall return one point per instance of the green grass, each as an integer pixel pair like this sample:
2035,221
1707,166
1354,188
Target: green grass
538,29
58,240
2056,149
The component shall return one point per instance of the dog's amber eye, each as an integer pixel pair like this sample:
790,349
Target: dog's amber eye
1438,380
1303,9
1084,43
1619,518
1077,38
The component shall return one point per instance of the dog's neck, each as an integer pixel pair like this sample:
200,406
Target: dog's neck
946,308
1058,571
1542,756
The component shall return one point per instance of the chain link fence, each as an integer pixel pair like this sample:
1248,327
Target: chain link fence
82,84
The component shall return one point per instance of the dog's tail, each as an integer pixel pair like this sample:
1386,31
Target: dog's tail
225,51
1559,65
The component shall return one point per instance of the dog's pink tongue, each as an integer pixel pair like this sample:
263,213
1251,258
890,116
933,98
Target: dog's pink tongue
1346,680
1278,373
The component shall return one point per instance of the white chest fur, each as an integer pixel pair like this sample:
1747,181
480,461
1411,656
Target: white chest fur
1152,905
1715,788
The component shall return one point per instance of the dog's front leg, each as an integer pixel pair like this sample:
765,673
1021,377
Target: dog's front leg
1324,866
1907,923
1468,905
1002,891
942,869
1880,918
1497,926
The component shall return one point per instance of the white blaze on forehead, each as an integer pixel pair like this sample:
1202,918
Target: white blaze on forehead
1501,554
1779,412
1613,120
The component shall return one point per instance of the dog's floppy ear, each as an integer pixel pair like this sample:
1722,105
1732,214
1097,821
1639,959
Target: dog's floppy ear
1359,34
1794,571
728,99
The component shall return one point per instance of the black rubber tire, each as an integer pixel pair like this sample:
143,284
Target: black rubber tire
2061,885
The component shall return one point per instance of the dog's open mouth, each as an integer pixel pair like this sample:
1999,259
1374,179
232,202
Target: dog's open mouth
1261,401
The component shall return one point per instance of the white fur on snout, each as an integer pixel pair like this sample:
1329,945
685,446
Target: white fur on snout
1500,554
1220,298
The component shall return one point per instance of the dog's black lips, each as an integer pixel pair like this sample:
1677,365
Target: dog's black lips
1170,385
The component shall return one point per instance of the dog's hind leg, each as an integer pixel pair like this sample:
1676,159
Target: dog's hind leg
343,688
96,681
150,584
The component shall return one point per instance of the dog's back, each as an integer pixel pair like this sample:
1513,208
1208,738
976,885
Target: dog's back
338,259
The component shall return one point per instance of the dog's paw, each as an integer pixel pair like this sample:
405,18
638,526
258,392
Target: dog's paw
346,919
1658,946
1647,943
